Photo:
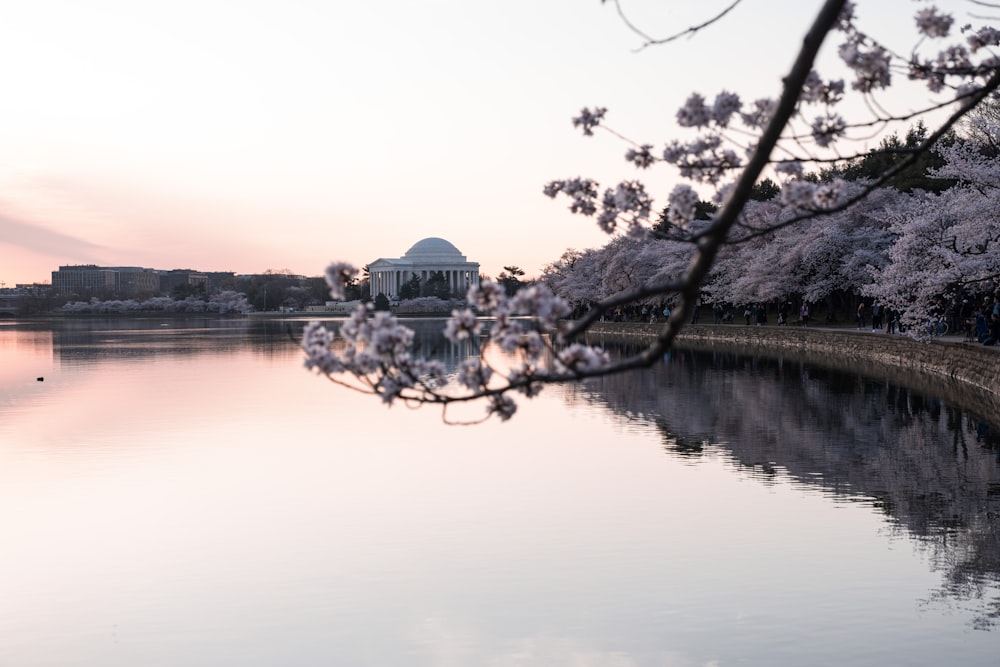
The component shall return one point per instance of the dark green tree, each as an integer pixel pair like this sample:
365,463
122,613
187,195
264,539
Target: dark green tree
436,285
381,302
319,292
979,126
765,190
510,279
703,210
891,151
411,288
184,290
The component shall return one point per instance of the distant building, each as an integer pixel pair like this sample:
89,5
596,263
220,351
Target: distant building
210,281
425,258
83,279
136,281
132,281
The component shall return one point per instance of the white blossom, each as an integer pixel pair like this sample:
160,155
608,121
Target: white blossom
694,113
524,377
828,195
817,91
726,104
487,296
674,151
798,194
845,20
472,373
589,119
502,406
790,168
506,332
955,58
538,301
759,114
430,371
682,202
316,341
826,129
338,274
985,36
583,192
461,325
932,23
641,157
870,64
580,357
627,200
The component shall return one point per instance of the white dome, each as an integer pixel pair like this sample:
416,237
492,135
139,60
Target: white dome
434,248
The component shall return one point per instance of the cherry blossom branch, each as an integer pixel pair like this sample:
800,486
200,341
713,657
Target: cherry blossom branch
715,235
912,156
620,299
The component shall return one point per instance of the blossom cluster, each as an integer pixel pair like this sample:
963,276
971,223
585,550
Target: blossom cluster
914,252
223,303
338,275
589,119
626,203
376,350
808,196
712,159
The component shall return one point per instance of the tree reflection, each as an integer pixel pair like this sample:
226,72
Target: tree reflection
932,468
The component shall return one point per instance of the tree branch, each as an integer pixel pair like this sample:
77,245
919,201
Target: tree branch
650,41
912,156
715,235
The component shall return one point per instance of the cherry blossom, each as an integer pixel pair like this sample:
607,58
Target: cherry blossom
821,238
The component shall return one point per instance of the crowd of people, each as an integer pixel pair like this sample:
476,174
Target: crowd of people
979,321
983,325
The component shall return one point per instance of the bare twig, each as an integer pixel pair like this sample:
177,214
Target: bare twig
651,41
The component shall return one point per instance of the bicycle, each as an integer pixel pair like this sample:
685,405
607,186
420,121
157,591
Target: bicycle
937,327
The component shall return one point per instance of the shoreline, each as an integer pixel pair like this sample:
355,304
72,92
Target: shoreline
966,375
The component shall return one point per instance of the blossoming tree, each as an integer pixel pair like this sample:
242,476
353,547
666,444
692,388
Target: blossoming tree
737,143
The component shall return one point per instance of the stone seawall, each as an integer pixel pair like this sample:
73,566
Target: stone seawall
965,374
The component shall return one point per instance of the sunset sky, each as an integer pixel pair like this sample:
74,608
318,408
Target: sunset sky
269,134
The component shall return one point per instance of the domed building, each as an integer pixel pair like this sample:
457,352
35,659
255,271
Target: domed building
424,259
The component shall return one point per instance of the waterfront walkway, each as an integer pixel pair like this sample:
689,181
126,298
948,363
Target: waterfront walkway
949,367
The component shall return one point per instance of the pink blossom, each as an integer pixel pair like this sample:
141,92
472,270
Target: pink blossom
338,274
641,157
932,23
694,113
682,202
589,119
461,325
580,357
726,104
826,129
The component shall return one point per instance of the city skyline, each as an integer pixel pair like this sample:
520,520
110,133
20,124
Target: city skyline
290,136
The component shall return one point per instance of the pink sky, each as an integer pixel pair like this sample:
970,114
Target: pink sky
289,134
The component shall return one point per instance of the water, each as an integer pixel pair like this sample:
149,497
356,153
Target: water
181,492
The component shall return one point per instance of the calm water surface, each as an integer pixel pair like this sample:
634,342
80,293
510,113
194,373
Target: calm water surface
181,492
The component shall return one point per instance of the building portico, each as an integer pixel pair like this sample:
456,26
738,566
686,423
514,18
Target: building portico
425,259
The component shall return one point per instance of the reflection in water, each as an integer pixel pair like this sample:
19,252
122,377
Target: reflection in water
932,469
188,494
86,340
